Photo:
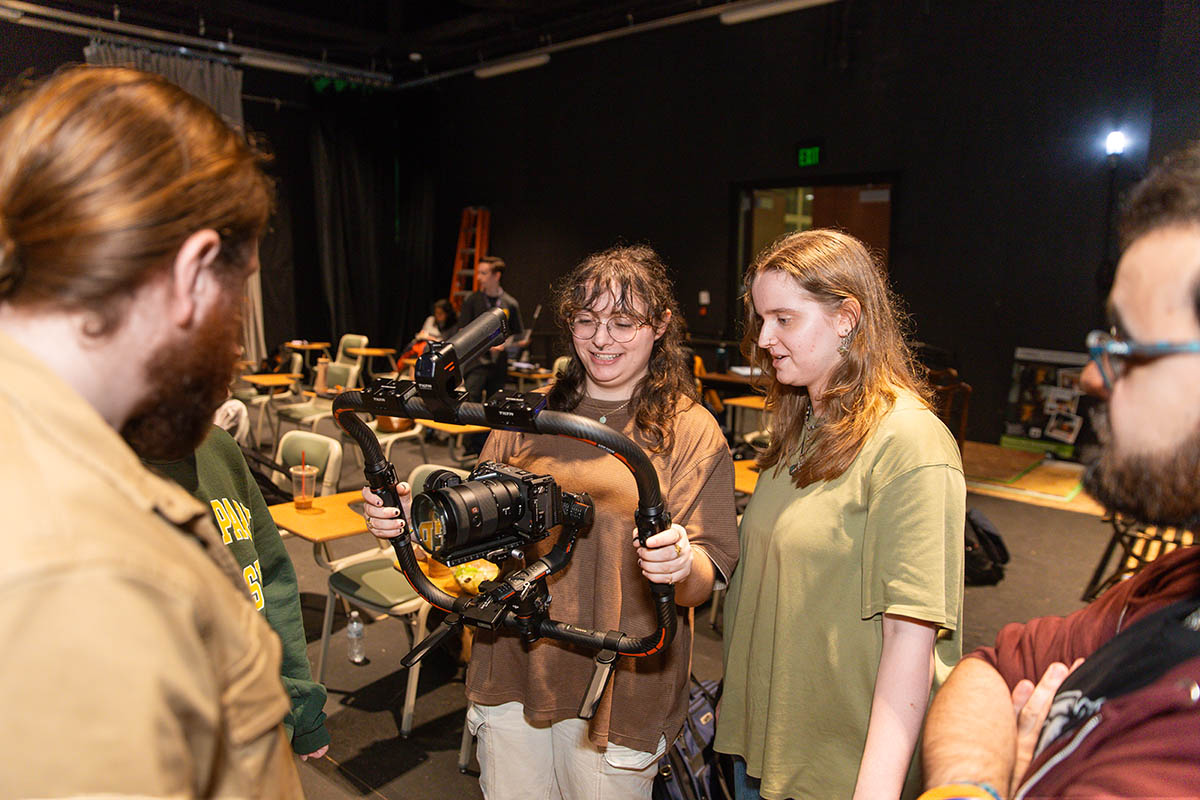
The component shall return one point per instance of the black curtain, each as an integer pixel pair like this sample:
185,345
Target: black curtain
373,161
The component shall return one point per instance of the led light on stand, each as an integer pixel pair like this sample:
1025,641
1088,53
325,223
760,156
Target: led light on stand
1115,143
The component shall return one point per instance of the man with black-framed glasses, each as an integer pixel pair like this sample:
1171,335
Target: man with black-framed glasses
1106,702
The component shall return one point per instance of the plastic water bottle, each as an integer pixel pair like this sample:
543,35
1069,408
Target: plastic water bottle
354,636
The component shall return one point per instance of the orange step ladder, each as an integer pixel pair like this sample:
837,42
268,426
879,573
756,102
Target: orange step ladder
472,246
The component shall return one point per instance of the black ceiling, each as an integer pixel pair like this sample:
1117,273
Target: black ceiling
407,38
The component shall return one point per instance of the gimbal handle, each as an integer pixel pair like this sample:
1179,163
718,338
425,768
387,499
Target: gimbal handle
398,398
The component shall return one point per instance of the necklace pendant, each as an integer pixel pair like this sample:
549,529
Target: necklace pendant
1192,620
603,419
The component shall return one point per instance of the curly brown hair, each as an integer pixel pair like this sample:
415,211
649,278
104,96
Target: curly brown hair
877,366
638,281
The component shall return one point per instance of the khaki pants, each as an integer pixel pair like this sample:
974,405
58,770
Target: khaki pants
519,760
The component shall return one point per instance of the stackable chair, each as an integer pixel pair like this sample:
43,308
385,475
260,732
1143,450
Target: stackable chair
350,340
321,451
309,413
371,580
250,396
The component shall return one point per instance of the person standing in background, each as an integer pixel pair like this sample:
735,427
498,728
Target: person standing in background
489,373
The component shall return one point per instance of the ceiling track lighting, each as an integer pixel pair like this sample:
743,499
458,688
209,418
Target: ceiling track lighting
53,19
756,9
512,65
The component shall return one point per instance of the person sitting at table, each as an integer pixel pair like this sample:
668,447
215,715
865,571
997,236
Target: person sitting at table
216,473
627,370
440,325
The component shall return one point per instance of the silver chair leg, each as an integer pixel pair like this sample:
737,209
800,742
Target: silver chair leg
466,746
414,673
326,629
717,596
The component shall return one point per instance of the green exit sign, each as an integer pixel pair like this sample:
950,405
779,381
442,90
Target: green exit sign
808,156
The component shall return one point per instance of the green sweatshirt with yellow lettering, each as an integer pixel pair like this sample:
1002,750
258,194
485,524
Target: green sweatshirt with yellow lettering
217,474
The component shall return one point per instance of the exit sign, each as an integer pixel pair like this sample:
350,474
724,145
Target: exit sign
808,153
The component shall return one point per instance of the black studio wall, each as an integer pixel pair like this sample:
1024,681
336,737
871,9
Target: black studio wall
991,116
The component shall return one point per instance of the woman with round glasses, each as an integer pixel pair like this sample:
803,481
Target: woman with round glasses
848,594
628,371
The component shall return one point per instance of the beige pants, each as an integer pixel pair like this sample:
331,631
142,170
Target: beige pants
520,760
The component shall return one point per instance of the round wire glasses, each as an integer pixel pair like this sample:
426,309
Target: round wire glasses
620,329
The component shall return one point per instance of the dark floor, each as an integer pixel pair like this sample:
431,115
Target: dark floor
1053,555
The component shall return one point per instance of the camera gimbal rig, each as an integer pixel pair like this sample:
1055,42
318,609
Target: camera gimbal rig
518,600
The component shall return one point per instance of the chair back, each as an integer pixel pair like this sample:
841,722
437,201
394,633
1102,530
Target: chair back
349,340
321,451
344,375
560,365
710,397
416,478
951,398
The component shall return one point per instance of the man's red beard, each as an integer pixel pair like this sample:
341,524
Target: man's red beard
188,379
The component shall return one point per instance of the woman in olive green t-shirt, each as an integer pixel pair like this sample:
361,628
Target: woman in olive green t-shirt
847,600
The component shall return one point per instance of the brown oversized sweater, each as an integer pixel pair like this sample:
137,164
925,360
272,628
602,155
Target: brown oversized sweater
602,587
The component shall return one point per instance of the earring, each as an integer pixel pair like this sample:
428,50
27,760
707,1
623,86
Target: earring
844,345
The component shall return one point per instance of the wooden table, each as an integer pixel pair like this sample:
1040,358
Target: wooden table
540,377
731,380
753,402
271,380
456,434
372,353
332,517
308,348
745,477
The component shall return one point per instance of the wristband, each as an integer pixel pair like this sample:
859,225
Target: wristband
966,790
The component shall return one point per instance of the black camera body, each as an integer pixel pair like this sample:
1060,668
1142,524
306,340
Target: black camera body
497,509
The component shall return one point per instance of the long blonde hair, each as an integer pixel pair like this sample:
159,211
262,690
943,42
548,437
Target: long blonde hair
877,366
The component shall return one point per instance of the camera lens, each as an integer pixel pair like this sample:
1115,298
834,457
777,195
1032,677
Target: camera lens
451,517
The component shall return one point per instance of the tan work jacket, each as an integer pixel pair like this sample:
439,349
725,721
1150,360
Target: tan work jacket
131,661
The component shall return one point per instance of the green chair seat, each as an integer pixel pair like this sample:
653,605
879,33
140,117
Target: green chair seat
375,581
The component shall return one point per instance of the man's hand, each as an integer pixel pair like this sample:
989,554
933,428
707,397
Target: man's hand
1031,704
315,753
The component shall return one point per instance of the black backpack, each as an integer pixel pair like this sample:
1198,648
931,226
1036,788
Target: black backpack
985,554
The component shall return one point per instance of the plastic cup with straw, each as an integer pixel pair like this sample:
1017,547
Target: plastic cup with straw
304,480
